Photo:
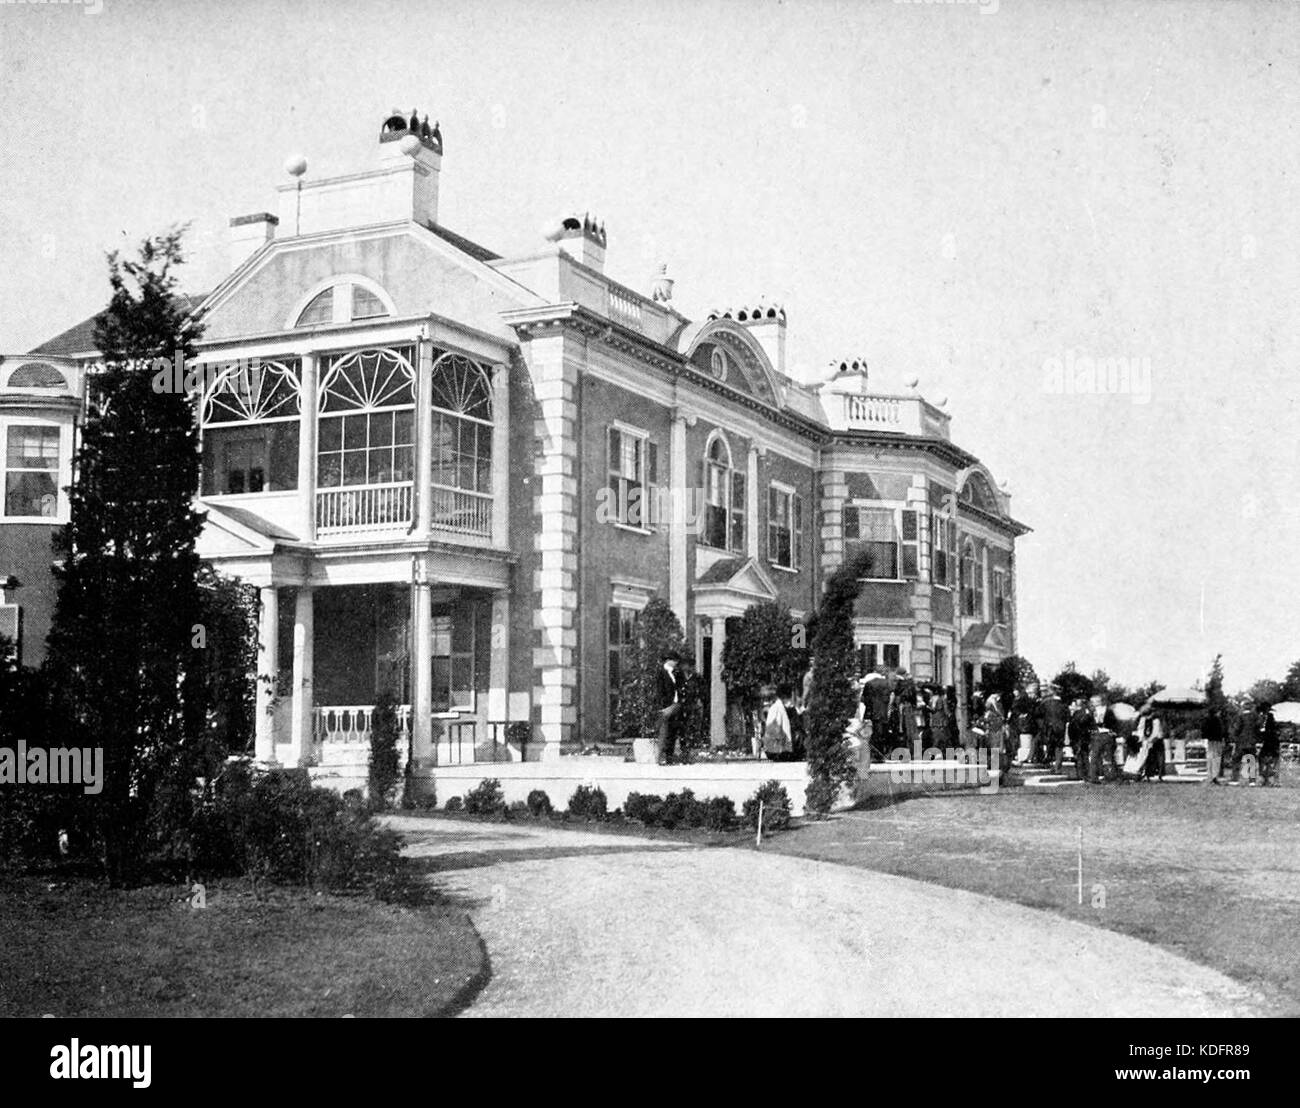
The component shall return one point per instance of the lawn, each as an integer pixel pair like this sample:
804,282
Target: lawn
1210,873
73,947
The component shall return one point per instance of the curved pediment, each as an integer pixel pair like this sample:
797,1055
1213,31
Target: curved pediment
728,352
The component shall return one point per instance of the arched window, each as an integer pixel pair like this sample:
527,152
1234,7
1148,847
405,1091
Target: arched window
724,511
320,310
461,448
250,419
37,375
367,420
365,304
970,574
348,298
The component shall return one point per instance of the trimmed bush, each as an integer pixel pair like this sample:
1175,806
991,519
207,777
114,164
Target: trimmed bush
384,772
681,810
719,813
518,809
643,807
539,804
819,796
455,804
587,802
776,807
485,798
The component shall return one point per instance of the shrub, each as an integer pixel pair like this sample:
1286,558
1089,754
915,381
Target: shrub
644,807
819,796
455,804
279,826
485,798
539,804
681,809
658,630
518,809
385,774
776,807
587,802
719,813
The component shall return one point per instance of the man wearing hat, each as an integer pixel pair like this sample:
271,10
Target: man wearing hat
1054,719
671,699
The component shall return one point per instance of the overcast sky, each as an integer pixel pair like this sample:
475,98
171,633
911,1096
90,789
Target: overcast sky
978,197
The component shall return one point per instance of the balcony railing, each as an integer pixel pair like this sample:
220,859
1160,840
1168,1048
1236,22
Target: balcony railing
624,309
884,412
352,723
461,512
364,508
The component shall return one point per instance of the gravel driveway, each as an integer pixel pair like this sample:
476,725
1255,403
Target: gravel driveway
585,924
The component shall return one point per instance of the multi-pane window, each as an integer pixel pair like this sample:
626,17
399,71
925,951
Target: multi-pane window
724,508
784,527
972,581
461,635
462,425
250,429
320,310
365,304
367,425
873,532
887,655
911,540
943,539
1000,598
622,637
31,471
633,474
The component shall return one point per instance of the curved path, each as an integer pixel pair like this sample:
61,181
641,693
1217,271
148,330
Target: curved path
587,924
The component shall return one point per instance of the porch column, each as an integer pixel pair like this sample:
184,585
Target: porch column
717,690
268,667
751,503
422,748
423,442
310,376
499,663
501,456
301,739
677,519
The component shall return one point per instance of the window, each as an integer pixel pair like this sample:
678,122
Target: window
250,429
724,509
320,310
718,364
462,425
911,543
784,527
872,531
622,637
633,473
365,304
1001,599
885,655
37,375
31,471
943,537
972,581
367,424
461,636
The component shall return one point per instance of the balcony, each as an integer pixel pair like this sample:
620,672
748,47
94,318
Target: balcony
460,512
902,415
364,508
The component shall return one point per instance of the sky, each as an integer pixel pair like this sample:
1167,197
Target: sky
990,197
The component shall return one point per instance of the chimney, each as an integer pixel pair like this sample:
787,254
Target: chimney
403,186
248,234
766,323
583,239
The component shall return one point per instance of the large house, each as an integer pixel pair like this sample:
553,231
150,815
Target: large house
456,478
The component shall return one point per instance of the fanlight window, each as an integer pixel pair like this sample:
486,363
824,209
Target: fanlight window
250,429
461,398
37,375
365,304
368,379
367,425
320,310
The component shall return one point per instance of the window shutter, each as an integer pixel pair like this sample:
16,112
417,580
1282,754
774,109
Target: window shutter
652,462
796,510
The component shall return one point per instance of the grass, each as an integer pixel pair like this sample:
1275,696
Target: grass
72,947
1212,874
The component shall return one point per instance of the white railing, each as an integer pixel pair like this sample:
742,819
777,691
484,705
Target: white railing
624,309
465,513
364,508
352,723
873,411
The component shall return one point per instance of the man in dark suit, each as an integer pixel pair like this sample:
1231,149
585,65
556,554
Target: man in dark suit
671,700
1054,718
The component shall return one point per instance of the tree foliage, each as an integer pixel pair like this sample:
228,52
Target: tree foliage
130,605
833,698
1072,684
658,631
759,651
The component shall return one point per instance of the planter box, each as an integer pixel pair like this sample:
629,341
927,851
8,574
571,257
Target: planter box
645,752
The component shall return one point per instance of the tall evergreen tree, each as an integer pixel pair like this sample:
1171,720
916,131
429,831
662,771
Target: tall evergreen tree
832,699
125,645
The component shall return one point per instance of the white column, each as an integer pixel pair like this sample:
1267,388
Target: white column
677,518
268,667
751,504
307,447
301,739
423,440
501,456
422,749
717,690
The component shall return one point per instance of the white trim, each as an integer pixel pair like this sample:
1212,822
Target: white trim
63,478
342,304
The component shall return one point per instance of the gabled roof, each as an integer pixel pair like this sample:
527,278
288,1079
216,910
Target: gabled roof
740,575
81,338
464,245
985,634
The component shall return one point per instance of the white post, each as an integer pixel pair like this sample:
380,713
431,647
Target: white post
268,650
751,504
307,447
501,455
422,751
717,689
301,738
423,444
677,583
